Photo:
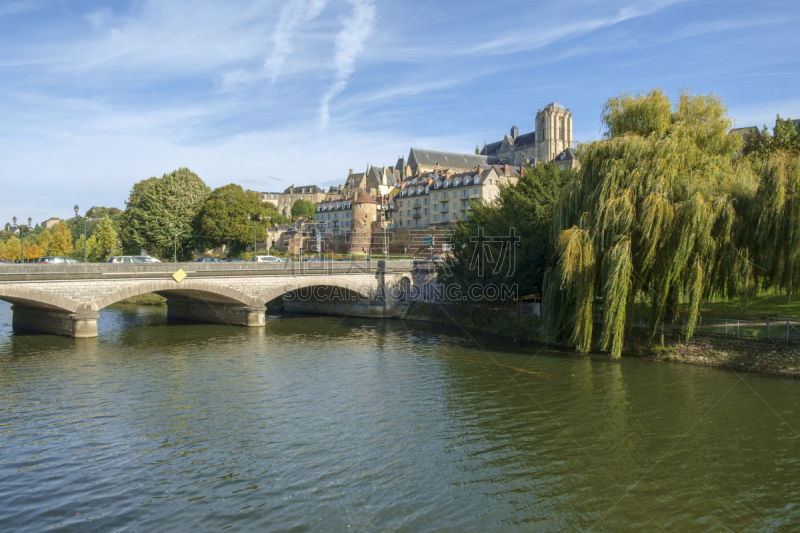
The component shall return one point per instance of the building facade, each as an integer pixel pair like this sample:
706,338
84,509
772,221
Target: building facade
309,193
271,198
444,198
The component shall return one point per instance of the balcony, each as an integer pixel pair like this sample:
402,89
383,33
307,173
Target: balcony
416,215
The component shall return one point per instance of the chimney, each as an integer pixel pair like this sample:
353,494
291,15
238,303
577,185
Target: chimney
506,170
447,174
351,171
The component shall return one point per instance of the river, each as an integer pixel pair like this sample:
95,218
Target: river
331,424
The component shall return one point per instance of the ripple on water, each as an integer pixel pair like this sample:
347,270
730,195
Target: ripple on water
321,423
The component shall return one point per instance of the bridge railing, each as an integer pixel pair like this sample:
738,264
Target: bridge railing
66,271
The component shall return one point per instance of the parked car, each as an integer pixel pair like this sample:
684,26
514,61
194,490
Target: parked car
5,262
56,259
235,260
133,259
208,260
268,259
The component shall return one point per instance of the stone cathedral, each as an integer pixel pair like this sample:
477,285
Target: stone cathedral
552,136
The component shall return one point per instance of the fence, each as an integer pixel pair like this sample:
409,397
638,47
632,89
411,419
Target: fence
775,329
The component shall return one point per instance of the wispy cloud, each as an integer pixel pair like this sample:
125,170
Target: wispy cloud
294,15
356,29
715,26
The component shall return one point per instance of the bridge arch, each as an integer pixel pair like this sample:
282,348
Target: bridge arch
316,281
37,299
191,289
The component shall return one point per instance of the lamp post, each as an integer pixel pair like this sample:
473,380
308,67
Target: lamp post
84,232
255,245
176,233
266,236
21,241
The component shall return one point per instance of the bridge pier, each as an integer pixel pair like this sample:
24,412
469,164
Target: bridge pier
80,324
216,312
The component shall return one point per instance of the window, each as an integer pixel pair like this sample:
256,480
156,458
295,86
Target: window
400,203
359,206
435,208
425,211
408,212
436,195
435,217
427,221
464,193
475,191
425,201
444,195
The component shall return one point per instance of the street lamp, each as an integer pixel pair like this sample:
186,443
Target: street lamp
21,241
255,245
84,232
175,233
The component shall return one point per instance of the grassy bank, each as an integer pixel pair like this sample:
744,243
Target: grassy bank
144,299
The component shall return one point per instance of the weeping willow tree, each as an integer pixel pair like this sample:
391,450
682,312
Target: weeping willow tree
652,213
777,230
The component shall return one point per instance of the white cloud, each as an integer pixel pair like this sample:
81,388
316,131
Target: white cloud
349,42
294,15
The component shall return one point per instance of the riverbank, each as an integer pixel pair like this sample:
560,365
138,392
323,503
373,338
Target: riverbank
740,355
730,353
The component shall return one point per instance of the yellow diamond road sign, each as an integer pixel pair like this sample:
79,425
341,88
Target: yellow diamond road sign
180,275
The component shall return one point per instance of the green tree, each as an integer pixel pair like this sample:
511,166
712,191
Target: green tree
223,218
61,241
130,243
522,217
106,240
13,249
43,240
652,211
785,137
303,208
161,205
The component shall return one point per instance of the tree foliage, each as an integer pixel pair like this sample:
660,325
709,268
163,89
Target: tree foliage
13,249
156,209
653,210
303,208
785,137
60,241
106,241
223,218
521,217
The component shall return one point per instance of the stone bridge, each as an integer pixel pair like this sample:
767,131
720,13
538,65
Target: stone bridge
64,298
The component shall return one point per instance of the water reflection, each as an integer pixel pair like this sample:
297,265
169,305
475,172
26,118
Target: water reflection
325,423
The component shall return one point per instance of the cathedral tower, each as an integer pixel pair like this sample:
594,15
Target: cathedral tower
553,131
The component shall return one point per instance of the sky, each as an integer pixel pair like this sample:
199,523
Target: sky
95,96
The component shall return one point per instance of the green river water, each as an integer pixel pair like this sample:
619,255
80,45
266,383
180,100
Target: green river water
331,424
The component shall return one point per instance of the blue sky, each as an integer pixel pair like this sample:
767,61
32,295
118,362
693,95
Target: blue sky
96,96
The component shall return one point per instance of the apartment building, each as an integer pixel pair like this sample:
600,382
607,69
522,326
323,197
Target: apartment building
444,198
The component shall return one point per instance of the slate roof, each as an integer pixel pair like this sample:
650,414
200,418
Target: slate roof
310,189
567,155
796,122
419,156
522,140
